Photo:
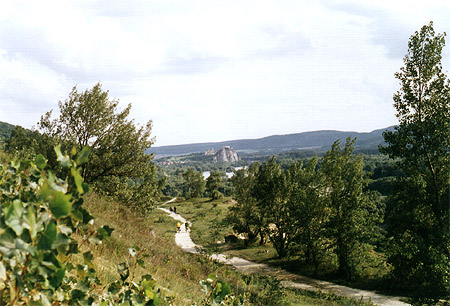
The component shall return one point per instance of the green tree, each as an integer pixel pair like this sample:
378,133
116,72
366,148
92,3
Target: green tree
420,145
194,184
29,143
214,183
118,165
306,189
270,192
245,216
352,211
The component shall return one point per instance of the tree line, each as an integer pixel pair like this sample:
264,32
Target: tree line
324,208
319,209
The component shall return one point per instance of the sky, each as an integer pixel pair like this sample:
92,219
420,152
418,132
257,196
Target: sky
210,70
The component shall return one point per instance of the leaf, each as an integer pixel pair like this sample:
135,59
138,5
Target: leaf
30,222
45,192
62,242
13,217
224,289
60,205
66,230
77,295
148,286
86,215
85,187
48,237
57,278
211,277
40,161
64,160
83,156
22,245
7,240
105,231
78,179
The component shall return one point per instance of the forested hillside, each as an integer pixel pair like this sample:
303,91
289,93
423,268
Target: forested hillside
6,130
316,141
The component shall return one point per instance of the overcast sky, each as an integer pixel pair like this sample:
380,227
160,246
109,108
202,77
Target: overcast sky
212,70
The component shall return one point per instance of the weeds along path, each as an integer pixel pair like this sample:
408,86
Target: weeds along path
183,240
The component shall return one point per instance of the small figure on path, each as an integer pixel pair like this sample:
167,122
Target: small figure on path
175,209
186,225
178,227
170,209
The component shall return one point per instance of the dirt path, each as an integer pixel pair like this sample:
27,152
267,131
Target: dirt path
183,239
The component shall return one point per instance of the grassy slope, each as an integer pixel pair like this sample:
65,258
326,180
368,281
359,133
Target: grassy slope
178,273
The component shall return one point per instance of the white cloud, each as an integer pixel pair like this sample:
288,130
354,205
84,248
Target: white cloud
211,70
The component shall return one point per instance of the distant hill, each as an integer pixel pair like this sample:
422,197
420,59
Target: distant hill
314,141
6,129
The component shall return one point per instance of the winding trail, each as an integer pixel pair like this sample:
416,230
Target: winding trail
183,240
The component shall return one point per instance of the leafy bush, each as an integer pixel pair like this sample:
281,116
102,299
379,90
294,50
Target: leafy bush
40,260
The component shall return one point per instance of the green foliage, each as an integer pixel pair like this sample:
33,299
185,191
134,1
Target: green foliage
39,214
244,216
41,262
214,183
310,210
194,184
6,130
270,193
218,292
353,212
118,165
419,218
29,143
306,190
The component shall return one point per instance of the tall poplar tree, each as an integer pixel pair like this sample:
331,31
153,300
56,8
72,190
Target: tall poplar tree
353,212
419,221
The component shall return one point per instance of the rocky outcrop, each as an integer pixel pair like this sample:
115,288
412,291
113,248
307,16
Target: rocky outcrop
226,155
210,152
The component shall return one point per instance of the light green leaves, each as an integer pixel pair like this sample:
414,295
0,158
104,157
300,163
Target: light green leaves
60,204
78,179
64,160
83,156
40,211
29,219
40,161
13,217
